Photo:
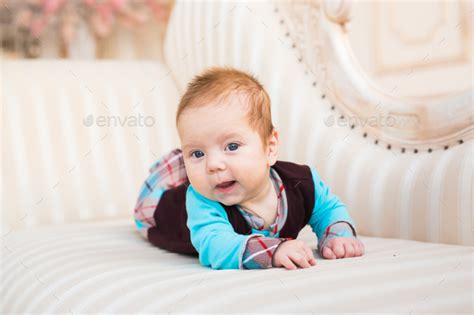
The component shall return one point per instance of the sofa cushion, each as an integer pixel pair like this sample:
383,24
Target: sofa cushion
81,136
108,267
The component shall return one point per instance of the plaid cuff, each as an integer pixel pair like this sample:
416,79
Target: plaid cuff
337,229
259,251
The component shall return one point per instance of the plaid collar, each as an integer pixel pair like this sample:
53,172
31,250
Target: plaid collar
256,222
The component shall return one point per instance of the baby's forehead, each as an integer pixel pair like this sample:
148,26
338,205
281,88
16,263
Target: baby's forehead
229,108
218,115
224,101
213,124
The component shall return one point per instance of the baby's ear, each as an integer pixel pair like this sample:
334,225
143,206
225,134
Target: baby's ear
272,148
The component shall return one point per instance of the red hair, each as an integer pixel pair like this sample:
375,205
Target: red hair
219,83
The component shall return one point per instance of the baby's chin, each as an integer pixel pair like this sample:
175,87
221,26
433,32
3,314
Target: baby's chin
229,201
212,197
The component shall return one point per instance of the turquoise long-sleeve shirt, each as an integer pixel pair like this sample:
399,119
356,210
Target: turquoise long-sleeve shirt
220,247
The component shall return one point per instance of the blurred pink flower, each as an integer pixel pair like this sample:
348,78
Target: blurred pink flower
101,15
38,25
23,18
51,6
160,8
117,4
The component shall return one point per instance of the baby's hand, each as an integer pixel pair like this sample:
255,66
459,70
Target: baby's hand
343,247
293,252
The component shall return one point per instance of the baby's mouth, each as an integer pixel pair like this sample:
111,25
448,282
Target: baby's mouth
226,186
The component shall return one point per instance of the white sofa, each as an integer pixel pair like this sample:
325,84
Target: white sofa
70,181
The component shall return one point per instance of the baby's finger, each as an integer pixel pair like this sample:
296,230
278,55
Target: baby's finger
288,264
338,249
361,248
300,259
349,249
357,249
310,256
328,254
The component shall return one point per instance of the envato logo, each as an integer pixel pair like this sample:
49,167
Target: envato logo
372,121
118,121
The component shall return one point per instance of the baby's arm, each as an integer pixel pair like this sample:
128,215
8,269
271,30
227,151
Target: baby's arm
330,218
213,236
340,241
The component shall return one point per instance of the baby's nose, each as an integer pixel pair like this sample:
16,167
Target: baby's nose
215,163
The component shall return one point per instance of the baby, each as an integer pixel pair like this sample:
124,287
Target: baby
225,197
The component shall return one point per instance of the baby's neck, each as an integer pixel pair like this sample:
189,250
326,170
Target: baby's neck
265,203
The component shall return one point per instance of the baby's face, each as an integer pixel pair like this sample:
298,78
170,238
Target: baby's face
225,159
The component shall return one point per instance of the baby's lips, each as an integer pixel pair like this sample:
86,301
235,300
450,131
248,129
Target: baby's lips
225,184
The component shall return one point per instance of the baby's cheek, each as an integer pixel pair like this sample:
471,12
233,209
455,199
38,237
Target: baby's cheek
196,179
252,165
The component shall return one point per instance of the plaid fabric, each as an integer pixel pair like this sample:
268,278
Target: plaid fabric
259,248
259,251
169,172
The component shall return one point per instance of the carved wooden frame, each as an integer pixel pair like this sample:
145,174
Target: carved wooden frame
318,32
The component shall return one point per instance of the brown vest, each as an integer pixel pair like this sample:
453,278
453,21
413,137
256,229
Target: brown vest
171,232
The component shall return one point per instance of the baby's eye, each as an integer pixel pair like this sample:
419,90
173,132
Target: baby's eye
197,154
233,146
